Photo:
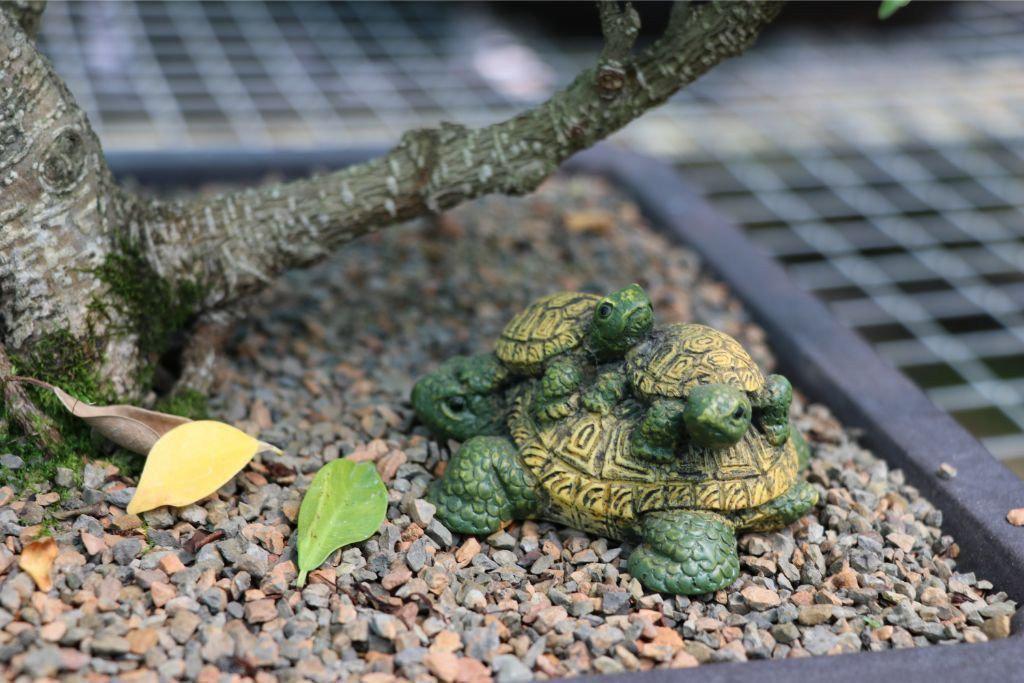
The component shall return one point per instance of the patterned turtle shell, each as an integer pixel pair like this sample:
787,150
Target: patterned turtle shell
682,356
546,328
593,482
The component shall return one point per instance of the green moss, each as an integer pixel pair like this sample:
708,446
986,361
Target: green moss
187,403
141,303
61,359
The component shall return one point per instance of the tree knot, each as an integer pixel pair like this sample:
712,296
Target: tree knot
611,77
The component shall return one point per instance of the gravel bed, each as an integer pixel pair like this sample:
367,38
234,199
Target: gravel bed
323,368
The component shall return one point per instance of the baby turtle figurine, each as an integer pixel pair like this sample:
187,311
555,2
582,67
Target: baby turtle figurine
466,396
581,471
559,335
702,384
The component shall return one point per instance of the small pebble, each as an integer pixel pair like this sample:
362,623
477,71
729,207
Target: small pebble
11,461
760,598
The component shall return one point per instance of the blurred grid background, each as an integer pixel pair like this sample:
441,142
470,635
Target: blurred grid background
882,163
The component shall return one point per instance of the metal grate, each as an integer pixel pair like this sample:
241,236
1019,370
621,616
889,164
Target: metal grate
882,163
921,249
158,75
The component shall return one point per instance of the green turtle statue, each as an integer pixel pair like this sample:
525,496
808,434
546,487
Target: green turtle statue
701,384
466,396
469,396
558,336
580,470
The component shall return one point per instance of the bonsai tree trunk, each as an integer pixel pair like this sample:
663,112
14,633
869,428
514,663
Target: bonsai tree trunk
93,275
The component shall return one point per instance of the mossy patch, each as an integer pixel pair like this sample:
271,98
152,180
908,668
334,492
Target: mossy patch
187,403
139,303
63,360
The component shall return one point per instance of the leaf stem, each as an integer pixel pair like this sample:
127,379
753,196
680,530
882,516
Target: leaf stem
27,380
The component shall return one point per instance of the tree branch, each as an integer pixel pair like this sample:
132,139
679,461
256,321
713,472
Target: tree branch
620,28
234,243
28,14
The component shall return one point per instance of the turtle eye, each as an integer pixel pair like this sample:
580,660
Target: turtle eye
738,413
604,310
456,404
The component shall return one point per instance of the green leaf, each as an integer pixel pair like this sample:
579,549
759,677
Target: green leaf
889,7
346,503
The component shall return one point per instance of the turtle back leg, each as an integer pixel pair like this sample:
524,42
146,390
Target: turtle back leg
556,397
608,389
686,552
657,435
771,408
778,512
484,485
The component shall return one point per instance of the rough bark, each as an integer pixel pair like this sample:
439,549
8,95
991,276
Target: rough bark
66,228
26,13
60,208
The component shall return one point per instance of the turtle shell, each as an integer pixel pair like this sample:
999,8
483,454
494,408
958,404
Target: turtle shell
546,328
682,356
594,483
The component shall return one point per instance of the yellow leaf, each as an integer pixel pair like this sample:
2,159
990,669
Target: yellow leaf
190,462
37,559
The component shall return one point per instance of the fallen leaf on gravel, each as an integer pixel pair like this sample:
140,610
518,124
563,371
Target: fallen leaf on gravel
590,221
201,538
1015,516
192,461
37,560
135,429
345,503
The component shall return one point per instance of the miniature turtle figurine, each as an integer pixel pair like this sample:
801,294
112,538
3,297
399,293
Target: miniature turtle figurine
560,335
471,396
701,383
579,470
465,397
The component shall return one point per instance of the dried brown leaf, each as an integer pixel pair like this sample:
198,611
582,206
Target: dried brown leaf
135,429
594,221
37,560
201,538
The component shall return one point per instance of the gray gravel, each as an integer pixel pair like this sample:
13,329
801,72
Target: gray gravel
323,369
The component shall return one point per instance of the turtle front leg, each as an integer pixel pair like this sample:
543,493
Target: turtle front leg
771,408
484,485
556,397
686,552
658,434
778,512
607,390
803,449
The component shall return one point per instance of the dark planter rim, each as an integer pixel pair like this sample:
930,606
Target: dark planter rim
826,360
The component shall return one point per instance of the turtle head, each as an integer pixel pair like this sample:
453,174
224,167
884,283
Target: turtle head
717,415
621,320
463,398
